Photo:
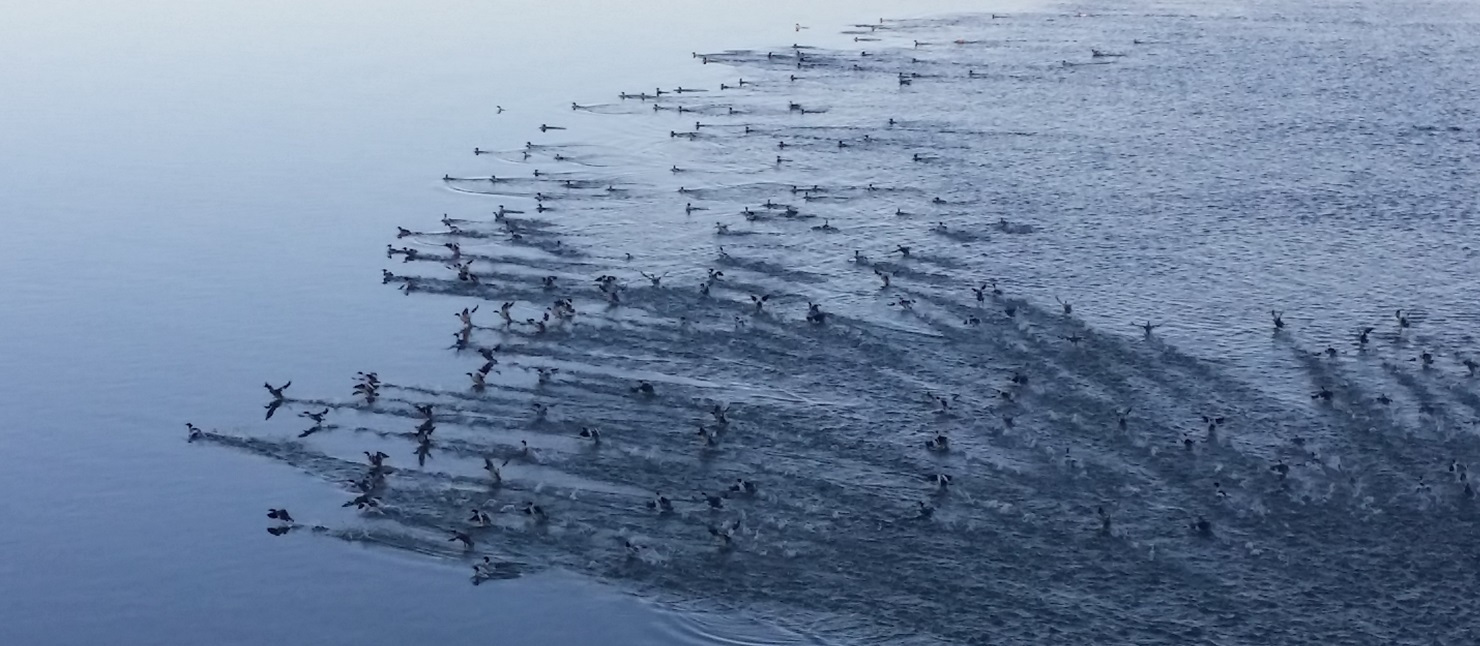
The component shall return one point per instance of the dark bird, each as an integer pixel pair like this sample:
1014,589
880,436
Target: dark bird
363,501
925,511
535,511
280,515
715,502
661,503
467,541
277,393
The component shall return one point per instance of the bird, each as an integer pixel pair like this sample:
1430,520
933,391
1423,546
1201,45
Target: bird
495,471
535,512
277,393
925,511
279,515
479,518
363,501
466,540
661,503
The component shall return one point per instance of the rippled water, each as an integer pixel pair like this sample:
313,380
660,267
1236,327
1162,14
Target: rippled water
1190,165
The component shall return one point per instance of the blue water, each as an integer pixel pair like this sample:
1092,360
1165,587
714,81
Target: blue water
201,198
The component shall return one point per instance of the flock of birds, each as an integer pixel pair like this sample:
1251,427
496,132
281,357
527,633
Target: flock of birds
548,308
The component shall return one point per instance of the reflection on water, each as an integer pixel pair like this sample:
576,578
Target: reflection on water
815,238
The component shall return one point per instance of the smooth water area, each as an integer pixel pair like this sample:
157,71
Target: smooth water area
200,200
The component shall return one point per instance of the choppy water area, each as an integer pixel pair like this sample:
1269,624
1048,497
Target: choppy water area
1218,479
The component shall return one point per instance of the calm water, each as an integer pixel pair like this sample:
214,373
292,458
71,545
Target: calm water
199,200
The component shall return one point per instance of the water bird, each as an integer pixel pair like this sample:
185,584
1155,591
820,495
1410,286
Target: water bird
939,444
714,501
541,410
479,518
710,438
661,503
744,486
1148,327
1122,415
656,280
690,208
726,533
941,481
495,471
1281,469
907,304
1323,394
280,515
535,512
1403,322
546,128
815,315
363,502
644,388
825,226
466,540
1279,321
1074,339
478,381
277,393
591,434
759,302
1068,309
924,512
1470,365
194,432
